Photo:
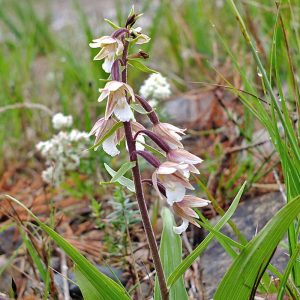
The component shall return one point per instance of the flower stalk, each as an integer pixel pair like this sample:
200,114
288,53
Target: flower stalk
171,177
140,194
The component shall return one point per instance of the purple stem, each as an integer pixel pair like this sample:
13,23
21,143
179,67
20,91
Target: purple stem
115,71
152,115
156,139
119,32
151,159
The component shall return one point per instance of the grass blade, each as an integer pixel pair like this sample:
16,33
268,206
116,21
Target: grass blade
107,289
241,279
171,255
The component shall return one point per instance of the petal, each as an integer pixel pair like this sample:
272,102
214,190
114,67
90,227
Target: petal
120,47
181,155
103,53
108,62
193,169
182,228
193,201
136,126
175,193
139,142
105,40
103,95
143,39
110,147
130,91
114,85
168,167
166,170
173,128
110,105
123,111
155,185
98,125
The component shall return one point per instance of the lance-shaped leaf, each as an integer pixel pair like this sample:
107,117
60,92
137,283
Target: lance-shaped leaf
124,168
128,183
105,287
140,66
171,255
139,108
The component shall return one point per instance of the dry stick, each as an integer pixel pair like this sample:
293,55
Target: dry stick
140,194
64,272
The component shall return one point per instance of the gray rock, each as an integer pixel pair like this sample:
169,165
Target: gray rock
250,217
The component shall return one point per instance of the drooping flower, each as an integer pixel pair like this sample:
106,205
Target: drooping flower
170,134
111,47
174,178
60,121
184,209
117,102
183,156
109,145
140,37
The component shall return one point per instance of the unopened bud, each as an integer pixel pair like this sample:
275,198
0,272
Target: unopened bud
131,20
140,54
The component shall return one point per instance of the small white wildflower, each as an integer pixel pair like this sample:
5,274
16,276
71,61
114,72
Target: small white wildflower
155,87
63,151
59,121
53,175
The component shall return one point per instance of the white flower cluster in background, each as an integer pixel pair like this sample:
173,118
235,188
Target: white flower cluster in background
62,152
155,88
60,121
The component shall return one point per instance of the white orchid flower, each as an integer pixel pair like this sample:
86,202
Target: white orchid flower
111,48
117,101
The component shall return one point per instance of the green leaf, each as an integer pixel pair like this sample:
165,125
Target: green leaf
107,135
188,261
112,24
139,108
288,269
34,255
86,288
128,183
140,66
241,279
153,150
106,288
124,168
171,256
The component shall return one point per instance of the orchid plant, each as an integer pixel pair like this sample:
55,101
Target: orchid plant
171,177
